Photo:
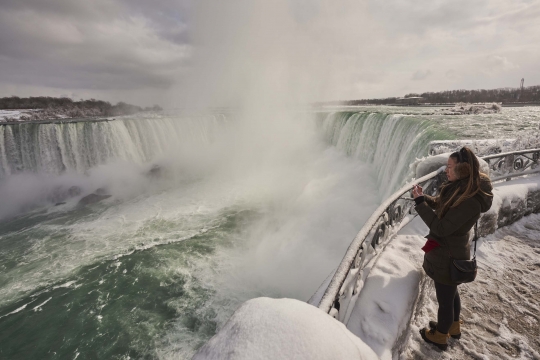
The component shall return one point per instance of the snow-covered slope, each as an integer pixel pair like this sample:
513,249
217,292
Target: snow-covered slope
500,309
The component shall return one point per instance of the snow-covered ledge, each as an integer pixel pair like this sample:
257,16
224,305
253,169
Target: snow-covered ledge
512,200
264,328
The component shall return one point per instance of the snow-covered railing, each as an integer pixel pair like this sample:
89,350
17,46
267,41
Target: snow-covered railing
511,164
347,281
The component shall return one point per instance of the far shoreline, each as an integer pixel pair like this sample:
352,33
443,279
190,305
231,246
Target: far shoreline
57,121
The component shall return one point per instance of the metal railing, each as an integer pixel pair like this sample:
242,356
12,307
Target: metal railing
511,164
384,223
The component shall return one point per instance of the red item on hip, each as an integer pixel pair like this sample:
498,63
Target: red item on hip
430,245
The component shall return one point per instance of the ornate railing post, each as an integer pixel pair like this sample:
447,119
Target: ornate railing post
509,164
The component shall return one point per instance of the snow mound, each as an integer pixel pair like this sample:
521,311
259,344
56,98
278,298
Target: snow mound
265,328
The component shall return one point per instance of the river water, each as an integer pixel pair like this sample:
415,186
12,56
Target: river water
205,212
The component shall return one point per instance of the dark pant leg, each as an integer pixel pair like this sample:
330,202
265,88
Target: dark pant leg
446,295
457,305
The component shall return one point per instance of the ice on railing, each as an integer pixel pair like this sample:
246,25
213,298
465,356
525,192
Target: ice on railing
382,312
507,165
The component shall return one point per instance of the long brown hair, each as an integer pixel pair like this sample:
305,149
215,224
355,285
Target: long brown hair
468,175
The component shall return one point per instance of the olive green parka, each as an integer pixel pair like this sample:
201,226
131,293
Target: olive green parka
452,231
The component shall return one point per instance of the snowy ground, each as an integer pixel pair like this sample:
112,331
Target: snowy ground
500,309
10,115
18,115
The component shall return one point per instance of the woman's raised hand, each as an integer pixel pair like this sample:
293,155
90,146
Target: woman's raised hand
417,191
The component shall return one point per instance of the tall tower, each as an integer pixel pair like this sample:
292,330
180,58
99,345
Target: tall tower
520,92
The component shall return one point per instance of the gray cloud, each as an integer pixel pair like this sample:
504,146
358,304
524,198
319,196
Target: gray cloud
344,49
103,44
421,74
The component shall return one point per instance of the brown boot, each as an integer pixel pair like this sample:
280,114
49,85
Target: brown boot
455,328
434,337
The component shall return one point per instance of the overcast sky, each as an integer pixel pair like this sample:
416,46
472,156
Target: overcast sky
175,52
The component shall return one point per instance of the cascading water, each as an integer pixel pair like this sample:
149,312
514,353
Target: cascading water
391,142
155,269
56,148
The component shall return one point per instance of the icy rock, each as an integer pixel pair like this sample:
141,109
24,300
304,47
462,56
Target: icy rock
60,194
74,191
466,108
487,224
265,328
155,171
533,202
101,191
92,199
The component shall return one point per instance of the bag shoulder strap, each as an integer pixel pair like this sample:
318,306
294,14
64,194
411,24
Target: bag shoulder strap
475,238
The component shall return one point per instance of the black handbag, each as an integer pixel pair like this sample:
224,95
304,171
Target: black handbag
464,271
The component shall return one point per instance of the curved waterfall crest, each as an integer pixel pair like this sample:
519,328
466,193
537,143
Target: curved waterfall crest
55,148
388,141
391,142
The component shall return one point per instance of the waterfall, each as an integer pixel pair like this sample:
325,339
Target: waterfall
388,141
56,148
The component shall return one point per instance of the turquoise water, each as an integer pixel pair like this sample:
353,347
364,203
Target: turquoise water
120,307
239,211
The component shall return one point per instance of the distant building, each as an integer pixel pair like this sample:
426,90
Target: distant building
413,100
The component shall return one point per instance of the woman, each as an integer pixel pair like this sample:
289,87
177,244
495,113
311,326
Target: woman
450,217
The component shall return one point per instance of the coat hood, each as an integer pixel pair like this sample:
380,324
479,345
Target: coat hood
485,196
